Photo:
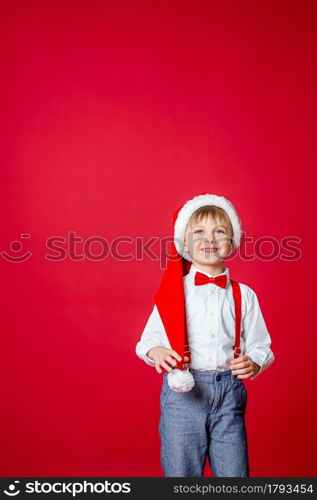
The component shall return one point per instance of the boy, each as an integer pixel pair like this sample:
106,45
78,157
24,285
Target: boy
208,333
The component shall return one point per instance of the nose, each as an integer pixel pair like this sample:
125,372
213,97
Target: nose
211,237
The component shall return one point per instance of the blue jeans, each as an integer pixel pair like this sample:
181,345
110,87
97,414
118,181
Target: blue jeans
207,421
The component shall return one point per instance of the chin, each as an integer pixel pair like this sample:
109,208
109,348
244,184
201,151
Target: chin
208,260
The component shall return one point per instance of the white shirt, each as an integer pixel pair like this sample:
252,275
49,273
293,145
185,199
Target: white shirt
210,317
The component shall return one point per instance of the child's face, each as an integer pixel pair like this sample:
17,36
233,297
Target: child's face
209,241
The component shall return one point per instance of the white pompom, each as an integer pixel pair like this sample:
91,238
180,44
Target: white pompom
180,380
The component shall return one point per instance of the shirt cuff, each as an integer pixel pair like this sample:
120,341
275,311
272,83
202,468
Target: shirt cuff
142,350
259,359
148,360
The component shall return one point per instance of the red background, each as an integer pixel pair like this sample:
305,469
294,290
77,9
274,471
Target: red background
116,114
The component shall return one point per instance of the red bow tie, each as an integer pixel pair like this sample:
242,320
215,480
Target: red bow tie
202,279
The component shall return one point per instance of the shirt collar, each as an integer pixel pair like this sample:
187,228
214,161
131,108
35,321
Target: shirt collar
194,269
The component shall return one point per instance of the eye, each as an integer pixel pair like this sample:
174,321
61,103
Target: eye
198,231
220,231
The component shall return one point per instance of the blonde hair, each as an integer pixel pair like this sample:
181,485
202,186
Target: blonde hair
216,213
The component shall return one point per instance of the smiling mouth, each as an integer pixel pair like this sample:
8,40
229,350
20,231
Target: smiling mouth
210,250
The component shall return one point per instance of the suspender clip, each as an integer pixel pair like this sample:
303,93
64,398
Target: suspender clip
237,350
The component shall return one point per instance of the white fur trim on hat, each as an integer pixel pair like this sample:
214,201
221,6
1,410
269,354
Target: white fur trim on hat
180,380
201,201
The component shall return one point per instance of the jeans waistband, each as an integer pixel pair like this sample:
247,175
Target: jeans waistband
210,374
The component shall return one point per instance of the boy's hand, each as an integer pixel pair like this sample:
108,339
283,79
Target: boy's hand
162,356
244,367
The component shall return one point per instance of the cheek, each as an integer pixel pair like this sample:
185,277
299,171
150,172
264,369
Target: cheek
225,247
192,243
198,240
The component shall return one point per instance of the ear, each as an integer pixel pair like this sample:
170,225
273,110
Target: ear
231,245
185,240
231,241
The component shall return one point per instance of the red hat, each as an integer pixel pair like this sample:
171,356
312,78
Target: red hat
170,296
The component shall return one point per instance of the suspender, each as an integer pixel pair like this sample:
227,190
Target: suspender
237,304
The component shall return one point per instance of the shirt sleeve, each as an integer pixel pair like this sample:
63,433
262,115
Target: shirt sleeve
153,335
257,340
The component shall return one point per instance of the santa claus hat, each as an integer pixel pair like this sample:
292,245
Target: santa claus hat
170,297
